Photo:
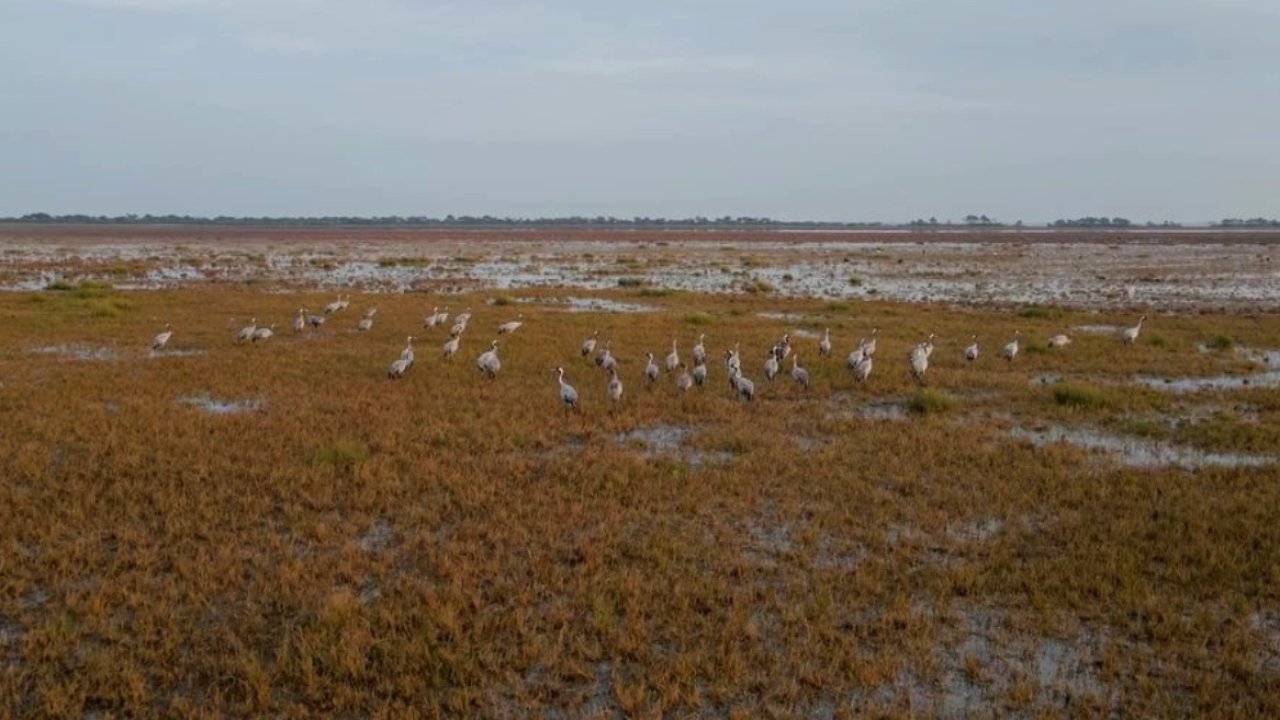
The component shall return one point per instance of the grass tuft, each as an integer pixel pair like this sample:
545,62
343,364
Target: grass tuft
344,456
1082,396
1039,312
1221,343
928,402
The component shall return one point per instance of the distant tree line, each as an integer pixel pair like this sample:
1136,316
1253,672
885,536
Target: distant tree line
1089,222
583,221
446,221
1251,222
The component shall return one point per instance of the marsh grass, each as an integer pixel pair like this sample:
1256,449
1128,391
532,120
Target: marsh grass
929,401
1080,395
441,546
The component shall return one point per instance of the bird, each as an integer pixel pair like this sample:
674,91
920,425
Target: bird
464,317
971,352
771,366
442,317
799,374
507,328
607,361
858,353
344,302
488,362
700,351
315,320
246,333
783,347
159,341
869,347
366,322
741,385
397,368
824,346
928,346
699,375
334,306
684,381
450,348
919,363
1130,335
589,345
407,352
733,358
1010,351
457,329
369,312
436,318
863,369
1059,341
673,359
265,333
568,395
651,369
300,322
615,386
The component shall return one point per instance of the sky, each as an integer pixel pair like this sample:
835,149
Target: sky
853,110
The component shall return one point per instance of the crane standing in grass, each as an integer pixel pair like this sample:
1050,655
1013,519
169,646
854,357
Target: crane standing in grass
742,386
407,352
799,374
771,366
159,341
700,351
824,345
1130,335
919,363
450,348
858,353
568,395
615,386
246,332
1010,351
869,347
673,359
300,322
862,369
507,328
606,360
971,352
366,322
263,333
684,381
650,369
589,345
488,362
699,374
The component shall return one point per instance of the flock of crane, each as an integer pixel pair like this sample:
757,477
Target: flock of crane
488,363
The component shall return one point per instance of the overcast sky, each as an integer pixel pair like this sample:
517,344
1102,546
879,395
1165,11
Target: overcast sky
843,110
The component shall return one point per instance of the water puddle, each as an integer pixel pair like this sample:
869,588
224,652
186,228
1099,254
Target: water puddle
175,353
214,406
1269,378
1133,452
76,351
661,440
578,304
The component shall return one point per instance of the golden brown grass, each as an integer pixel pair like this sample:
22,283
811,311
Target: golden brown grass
445,546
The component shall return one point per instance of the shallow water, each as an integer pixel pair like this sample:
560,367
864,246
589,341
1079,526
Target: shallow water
214,406
76,351
1140,453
